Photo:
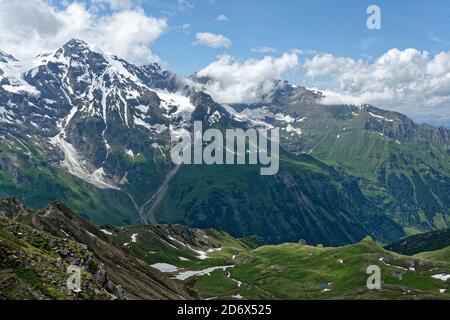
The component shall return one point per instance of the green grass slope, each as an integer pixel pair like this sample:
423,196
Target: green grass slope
297,271
438,255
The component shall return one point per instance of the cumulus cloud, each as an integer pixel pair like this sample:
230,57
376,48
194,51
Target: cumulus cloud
30,27
212,40
233,81
222,18
397,79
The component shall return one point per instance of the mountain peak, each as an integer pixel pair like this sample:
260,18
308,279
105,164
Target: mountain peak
76,43
74,47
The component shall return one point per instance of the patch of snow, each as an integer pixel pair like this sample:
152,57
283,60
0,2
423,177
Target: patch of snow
442,290
183,259
239,283
177,241
255,117
91,234
293,130
106,232
165,242
165,267
130,153
206,272
142,123
73,162
143,109
389,265
65,233
238,296
20,88
284,118
441,276
14,71
182,102
118,68
201,254
75,165
380,117
134,237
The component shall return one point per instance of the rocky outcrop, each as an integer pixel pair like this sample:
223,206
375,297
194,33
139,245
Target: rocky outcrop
13,208
77,242
125,275
34,265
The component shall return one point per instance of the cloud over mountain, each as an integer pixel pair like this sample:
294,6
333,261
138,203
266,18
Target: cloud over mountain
233,81
399,78
31,26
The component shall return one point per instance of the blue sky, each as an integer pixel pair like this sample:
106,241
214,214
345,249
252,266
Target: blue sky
337,27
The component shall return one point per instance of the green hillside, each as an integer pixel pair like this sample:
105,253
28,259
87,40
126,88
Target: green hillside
288,271
305,200
438,255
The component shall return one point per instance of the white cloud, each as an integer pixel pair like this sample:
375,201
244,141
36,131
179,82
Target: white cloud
232,81
115,4
405,80
32,26
222,18
264,50
305,51
212,40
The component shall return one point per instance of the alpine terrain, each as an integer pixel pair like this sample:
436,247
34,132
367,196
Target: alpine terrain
94,131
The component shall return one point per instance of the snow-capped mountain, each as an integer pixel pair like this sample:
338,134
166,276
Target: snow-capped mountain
94,130
87,103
